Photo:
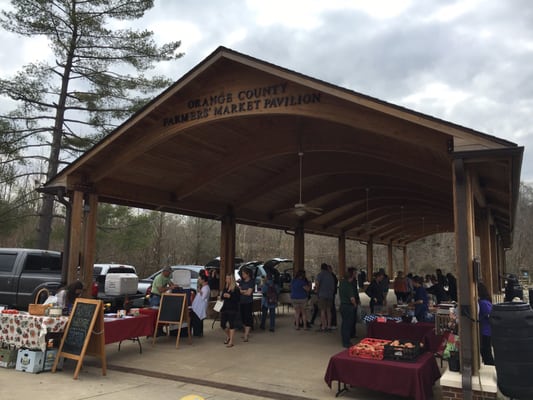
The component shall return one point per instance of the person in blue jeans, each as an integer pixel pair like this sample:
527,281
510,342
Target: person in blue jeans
269,302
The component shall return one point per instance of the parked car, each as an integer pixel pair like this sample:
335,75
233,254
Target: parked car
215,263
258,272
282,269
145,285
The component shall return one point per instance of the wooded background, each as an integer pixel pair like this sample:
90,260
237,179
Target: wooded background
150,240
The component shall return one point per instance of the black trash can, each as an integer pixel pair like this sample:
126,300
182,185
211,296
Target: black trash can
531,297
512,341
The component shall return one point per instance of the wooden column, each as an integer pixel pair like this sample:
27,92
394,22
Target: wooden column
342,255
464,246
299,249
76,220
501,261
390,262
485,249
370,260
227,245
89,243
405,261
494,261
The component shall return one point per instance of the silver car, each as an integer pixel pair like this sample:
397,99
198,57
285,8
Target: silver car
145,285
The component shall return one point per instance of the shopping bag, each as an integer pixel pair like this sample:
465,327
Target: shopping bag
218,305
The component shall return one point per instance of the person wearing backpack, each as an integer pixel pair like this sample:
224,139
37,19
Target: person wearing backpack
269,302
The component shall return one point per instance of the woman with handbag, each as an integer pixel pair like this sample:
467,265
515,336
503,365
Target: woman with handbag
228,314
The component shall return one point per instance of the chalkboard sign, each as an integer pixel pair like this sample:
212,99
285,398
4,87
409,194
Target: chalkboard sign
172,307
173,311
80,321
84,334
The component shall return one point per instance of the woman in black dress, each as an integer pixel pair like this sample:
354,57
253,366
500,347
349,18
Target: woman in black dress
228,314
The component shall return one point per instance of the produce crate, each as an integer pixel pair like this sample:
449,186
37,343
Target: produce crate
369,348
401,350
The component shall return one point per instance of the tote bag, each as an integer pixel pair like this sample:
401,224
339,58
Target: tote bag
218,305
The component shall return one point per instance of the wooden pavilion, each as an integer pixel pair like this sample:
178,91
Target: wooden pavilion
247,142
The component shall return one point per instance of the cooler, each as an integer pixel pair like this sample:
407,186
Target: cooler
121,284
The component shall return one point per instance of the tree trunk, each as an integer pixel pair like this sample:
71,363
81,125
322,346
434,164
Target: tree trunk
46,214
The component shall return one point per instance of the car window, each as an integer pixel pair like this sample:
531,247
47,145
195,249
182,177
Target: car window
121,270
97,271
42,263
7,261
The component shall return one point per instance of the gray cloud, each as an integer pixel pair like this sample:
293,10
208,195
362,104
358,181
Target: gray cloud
471,67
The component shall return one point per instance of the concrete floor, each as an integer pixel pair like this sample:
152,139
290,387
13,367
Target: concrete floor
285,364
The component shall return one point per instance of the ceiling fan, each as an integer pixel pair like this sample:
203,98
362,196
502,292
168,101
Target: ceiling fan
300,209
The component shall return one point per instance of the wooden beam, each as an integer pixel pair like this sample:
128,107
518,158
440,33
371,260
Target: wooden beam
75,236
299,248
485,248
370,259
227,245
89,243
464,250
342,255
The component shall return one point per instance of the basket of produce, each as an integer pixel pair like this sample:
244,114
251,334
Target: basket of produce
401,350
369,348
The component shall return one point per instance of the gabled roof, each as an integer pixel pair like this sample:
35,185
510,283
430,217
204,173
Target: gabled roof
228,134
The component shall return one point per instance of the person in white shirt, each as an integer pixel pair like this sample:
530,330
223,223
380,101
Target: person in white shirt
199,305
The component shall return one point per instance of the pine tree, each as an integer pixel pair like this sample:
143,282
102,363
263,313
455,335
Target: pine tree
98,78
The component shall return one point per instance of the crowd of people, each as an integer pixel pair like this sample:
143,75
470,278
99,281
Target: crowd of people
315,298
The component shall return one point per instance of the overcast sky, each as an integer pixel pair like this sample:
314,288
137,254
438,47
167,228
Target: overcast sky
469,61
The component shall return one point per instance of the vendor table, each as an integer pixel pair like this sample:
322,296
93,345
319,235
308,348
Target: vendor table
150,312
29,331
119,329
423,332
409,379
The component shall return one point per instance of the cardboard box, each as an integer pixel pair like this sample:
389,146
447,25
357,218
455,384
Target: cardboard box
49,358
8,358
30,361
120,284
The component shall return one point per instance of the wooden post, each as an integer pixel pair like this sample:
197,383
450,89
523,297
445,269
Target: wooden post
299,249
75,236
405,261
464,245
89,245
485,249
370,260
494,261
227,245
342,255
390,262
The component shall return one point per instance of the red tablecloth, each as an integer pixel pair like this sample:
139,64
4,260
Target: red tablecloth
150,312
409,379
421,331
118,329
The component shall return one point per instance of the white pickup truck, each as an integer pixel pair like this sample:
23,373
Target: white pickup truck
114,284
